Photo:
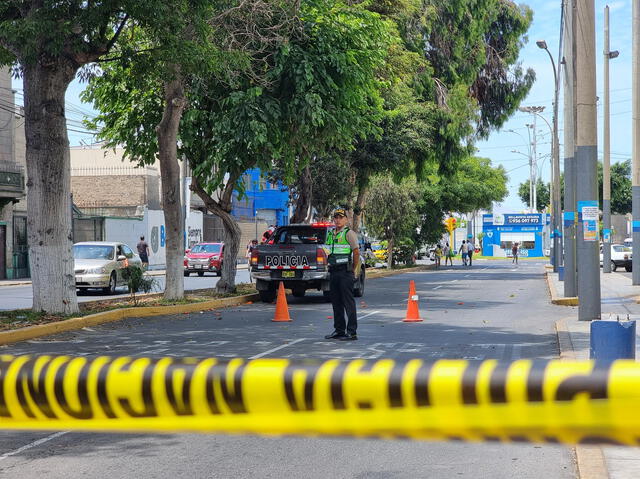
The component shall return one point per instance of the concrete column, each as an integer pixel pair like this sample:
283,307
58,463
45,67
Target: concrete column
586,157
606,165
570,279
635,174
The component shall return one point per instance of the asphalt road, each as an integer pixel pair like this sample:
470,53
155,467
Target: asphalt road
493,310
20,297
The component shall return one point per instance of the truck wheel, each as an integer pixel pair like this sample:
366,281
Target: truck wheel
614,267
298,292
327,296
267,296
628,268
201,273
186,274
358,289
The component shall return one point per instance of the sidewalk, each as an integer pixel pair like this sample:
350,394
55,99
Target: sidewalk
618,300
152,272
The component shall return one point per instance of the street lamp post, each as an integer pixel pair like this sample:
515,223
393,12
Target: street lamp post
555,156
606,163
535,110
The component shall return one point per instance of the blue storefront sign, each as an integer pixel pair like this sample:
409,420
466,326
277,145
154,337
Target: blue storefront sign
501,231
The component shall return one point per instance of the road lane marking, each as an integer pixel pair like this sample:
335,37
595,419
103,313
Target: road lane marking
466,275
282,346
368,314
33,444
453,281
438,287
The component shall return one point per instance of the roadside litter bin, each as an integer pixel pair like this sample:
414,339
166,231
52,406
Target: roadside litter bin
560,273
613,340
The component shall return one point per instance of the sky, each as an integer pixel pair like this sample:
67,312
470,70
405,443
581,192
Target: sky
546,26
499,146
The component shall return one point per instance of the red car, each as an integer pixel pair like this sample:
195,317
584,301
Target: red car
204,257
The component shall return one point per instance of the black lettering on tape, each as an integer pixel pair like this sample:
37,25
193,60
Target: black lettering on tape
84,412
395,385
595,383
498,383
421,385
4,367
310,372
148,407
103,374
337,390
268,260
181,407
233,397
469,382
535,380
29,385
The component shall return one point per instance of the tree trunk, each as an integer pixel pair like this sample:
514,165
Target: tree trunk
390,262
359,206
302,213
49,223
167,131
232,233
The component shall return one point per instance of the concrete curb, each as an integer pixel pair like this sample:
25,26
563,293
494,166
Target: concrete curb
31,332
150,272
590,459
559,300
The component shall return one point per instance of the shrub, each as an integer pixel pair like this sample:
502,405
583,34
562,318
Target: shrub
137,281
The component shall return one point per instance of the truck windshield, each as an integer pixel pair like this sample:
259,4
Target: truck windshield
300,235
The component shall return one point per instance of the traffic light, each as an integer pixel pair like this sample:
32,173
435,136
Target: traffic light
450,224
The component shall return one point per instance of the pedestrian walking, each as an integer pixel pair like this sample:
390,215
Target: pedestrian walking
143,252
448,254
464,251
514,253
344,267
250,247
470,250
438,254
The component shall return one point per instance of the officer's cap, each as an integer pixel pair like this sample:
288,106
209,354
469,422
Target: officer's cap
339,212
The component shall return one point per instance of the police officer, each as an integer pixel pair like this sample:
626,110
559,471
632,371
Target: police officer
344,266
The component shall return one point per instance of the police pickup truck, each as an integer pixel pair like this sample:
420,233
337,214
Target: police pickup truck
296,255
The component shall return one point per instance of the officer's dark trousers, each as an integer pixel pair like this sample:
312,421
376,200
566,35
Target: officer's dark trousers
342,300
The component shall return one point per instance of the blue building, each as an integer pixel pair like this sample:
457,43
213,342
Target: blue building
268,201
501,231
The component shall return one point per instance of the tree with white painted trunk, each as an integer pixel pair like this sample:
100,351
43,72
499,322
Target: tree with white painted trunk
47,43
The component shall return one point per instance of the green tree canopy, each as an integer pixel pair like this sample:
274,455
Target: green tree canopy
542,194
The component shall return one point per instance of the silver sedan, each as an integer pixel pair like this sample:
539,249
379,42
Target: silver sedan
99,264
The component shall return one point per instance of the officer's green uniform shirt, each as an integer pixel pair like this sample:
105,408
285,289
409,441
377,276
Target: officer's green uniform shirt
341,245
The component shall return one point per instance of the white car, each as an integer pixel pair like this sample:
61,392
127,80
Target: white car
621,256
99,264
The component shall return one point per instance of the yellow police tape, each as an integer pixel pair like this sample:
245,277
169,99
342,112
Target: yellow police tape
526,400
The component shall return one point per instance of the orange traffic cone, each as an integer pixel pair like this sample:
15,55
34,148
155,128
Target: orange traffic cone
282,310
413,315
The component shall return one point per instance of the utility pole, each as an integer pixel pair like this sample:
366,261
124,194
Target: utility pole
586,155
635,175
534,168
606,162
535,111
570,277
555,209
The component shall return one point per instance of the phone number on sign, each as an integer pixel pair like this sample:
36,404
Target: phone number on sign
533,220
